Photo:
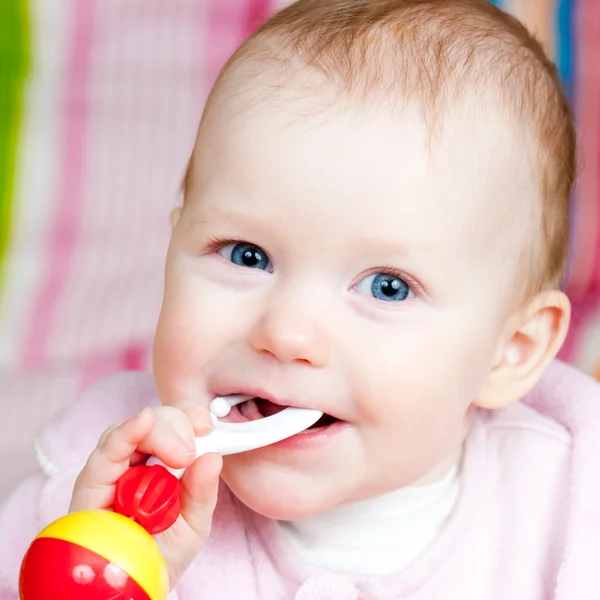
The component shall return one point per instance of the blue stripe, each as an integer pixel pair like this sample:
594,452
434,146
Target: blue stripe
565,63
565,44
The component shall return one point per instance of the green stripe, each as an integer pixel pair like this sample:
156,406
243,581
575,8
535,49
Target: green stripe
14,67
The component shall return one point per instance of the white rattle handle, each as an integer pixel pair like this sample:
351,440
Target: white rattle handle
232,438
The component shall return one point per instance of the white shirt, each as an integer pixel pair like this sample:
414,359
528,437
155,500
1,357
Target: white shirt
376,536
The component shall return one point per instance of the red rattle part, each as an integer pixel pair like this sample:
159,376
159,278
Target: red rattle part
151,496
55,569
93,555
102,554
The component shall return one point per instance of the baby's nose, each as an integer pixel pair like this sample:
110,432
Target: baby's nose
291,334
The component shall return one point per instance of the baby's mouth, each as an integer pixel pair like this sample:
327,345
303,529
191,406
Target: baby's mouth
258,408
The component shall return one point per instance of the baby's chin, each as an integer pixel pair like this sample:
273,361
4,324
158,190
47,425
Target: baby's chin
280,496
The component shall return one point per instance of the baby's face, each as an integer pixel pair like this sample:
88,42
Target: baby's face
334,261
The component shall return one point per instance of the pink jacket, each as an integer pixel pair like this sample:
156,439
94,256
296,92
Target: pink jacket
526,526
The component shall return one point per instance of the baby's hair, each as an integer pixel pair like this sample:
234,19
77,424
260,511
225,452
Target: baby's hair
432,51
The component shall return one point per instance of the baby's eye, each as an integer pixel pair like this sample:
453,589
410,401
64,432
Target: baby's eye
385,286
245,254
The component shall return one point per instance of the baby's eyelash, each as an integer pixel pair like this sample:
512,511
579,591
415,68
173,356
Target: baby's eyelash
414,285
217,243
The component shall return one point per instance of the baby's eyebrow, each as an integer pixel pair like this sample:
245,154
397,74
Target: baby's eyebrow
217,216
372,244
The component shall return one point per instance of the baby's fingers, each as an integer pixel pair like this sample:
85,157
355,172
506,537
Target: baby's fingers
182,542
200,484
172,438
94,488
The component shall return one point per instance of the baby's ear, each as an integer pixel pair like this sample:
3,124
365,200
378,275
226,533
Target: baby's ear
532,338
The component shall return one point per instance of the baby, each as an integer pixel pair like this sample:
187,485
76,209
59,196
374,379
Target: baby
375,225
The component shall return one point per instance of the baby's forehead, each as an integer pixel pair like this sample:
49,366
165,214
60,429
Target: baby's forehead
303,102
266,76
471,168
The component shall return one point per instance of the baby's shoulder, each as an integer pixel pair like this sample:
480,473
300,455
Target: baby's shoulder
553,434
562,409
544,454
523,424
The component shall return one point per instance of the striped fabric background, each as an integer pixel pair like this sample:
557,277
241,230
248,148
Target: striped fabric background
571,32
99,102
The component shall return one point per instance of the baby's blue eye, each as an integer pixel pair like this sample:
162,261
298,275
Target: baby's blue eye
385,286
245,254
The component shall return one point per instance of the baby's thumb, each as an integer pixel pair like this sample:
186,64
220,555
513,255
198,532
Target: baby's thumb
184,539
200,484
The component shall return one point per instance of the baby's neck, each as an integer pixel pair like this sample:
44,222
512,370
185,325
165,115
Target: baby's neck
376,536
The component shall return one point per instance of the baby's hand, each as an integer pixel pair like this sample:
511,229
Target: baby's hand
167,433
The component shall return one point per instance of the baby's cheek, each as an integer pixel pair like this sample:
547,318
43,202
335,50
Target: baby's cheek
177,357
418,391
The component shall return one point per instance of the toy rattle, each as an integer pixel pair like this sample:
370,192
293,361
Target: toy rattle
103,554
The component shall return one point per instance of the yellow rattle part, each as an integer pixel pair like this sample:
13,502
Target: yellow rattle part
120,541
